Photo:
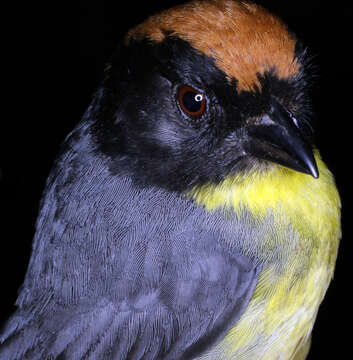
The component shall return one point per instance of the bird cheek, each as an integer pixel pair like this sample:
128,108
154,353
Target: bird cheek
168,134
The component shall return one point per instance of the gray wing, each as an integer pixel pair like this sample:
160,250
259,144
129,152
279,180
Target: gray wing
165,307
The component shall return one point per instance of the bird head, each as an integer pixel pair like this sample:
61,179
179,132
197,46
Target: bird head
204,91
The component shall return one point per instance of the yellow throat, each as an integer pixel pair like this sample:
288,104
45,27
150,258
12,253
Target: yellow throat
299,195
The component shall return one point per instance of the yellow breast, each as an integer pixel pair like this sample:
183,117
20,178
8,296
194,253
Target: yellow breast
281,313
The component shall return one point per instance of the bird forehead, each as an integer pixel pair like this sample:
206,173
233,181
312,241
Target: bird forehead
243,39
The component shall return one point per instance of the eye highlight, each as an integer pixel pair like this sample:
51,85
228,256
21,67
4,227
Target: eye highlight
191,101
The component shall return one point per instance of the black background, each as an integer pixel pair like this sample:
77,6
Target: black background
54,88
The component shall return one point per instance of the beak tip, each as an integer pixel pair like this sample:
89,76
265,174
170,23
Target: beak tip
311,168
314,173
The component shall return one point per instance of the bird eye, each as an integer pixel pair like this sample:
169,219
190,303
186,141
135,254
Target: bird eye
191,101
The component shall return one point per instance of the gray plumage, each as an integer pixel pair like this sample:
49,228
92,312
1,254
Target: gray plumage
122,272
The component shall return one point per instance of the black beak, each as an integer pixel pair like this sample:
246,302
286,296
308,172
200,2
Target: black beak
277,138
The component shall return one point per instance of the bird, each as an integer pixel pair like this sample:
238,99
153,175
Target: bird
189,214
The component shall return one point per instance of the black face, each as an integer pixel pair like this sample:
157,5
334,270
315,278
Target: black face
169,117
